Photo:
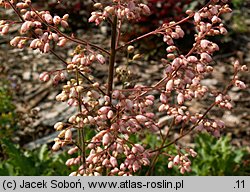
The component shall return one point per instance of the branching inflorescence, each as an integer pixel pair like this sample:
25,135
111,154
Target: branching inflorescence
117,114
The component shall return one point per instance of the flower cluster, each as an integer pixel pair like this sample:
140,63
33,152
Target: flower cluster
38,28
182,161
116,115
129,9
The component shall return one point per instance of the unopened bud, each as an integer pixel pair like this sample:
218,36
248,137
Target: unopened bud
136,57
130,49
58,126
44,76
98,5
106,139
68,135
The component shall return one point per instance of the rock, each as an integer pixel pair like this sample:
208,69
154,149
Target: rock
27,75
230,120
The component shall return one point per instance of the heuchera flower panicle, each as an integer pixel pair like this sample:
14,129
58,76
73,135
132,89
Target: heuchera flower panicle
118,114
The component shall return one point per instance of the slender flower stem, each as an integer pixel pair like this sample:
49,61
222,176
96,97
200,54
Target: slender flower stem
73,39
112,57
80,130
189,131
151,168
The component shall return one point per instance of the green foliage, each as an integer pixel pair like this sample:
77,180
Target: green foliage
28,163
240,16
5,101
217,157
7,114
237,3
161,167
239,22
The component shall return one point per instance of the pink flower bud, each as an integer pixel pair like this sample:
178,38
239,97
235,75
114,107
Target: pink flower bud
68,135
175,35
27,15
204,43
5,29
73,174
110,114
44,76
104,110
44,37
145,9
58,126
100,58
179,31
46,48
62,77
97,5
109,9
193,153
15,41
200,127
55,37
56,146
139,148
72,150
219,99
136,166
220,123
168,39
71,102
93,18
200,68
216,133
105,162
149,115
206,57
64,24
171,48
182,170
56,20
170,85
73,94
223,30
180,98
163,98
106,139
176,63
170,164
34,43
21,43
141,118
228,106
244,68
91,119
240,84
90,158
115,94
113,161
21,5
62,42
65,17
197,17
145,161
176,160
56,79
48,18
215,19
178,119
26,26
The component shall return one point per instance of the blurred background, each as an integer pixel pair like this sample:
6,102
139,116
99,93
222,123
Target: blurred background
28,110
